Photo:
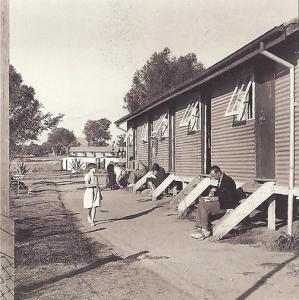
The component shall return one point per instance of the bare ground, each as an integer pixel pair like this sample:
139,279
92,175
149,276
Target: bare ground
55,260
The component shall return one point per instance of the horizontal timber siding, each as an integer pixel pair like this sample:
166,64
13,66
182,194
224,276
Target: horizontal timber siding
130,149
289,52
233,148
297,126
282,128
142,147
187,146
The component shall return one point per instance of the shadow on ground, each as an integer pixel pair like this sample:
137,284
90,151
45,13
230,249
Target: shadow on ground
264,279
130,217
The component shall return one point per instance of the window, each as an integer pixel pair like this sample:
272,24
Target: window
129,137
161,126
191,117
144,133
241,104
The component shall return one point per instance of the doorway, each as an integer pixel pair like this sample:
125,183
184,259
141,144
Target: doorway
171,139
265,120
206,135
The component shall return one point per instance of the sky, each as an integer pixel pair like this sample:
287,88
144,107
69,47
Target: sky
80,55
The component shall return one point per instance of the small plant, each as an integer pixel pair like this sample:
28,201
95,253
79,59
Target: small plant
21,169
76,165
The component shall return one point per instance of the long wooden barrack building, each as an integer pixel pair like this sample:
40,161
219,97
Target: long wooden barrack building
240,114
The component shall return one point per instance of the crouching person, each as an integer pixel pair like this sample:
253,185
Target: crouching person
139,171
225,199
157,177
92,196
121,176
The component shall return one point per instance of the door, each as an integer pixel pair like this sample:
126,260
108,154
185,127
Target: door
150,129
171,139
265,120
207,160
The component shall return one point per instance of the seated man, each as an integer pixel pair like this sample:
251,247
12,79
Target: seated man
139,172
158,176
225,199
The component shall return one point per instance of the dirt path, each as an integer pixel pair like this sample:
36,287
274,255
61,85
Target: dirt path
152,257
56,259
204,270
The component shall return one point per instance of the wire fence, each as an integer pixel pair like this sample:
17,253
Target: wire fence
7,259
6,277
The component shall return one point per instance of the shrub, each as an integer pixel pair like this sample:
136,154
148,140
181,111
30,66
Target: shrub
76,165
21,168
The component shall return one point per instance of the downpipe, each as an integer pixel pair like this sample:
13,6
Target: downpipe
291,68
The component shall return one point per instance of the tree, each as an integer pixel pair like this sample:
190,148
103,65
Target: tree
61,139
26,120
97,132
160,73
121,140
36,150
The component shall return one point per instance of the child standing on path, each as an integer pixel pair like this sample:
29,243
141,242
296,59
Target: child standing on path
92,196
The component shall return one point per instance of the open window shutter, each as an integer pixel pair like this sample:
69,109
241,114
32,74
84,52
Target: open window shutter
194,120
129,137
158,124
191,115
238,100
144,134
165,126
183,120
243,100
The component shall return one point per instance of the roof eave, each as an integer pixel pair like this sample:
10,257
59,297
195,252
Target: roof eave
270,38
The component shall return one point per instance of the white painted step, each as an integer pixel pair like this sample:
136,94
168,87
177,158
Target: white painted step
195,193
184,192
141,182
161,188
232,219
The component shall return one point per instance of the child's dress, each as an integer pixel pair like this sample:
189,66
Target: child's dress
92,195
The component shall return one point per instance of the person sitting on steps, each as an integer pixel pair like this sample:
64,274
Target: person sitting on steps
139,171
157,177
224,200
121,176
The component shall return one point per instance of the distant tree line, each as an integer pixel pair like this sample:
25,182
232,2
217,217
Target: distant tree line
27,122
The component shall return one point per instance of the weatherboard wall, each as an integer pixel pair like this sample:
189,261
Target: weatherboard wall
161,155
142,146
131,147
187,145
288,52
232,148
297,124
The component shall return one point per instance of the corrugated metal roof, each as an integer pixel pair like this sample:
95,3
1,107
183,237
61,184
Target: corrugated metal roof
210,73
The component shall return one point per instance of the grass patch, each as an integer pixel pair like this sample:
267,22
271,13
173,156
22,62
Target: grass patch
48,241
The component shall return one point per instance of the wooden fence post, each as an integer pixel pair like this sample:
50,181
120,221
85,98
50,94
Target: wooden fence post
6,223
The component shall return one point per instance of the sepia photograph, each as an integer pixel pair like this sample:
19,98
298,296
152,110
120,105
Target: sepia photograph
149,149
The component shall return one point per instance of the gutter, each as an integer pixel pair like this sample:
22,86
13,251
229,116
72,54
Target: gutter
118,127
292,132
272,37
